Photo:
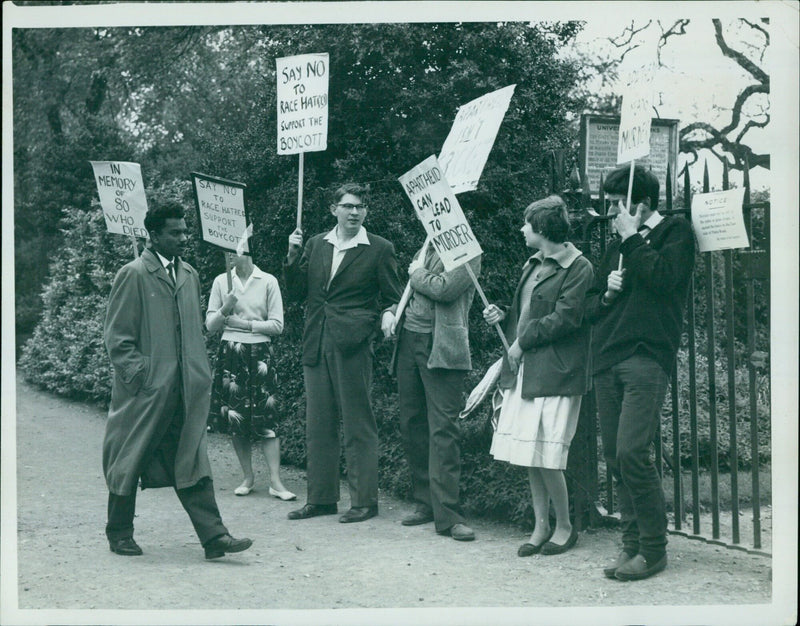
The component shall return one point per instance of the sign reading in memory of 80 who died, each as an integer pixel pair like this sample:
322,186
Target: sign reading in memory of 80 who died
302,103
440,213
122,197
221,211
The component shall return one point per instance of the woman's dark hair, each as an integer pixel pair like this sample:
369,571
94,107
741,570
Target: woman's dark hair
645,184
354,189
156,218
549,218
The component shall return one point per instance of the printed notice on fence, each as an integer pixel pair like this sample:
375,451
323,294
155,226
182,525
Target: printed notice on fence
302,103
440,213
121,191
221,211
466,149
718,221
637,110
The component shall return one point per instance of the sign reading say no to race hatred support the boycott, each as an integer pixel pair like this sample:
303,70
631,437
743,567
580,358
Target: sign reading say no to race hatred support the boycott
302,103
221,211
440,213
122,197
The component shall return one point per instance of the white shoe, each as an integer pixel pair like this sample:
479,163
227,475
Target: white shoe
283,495
243,490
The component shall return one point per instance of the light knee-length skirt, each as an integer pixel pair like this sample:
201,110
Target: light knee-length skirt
537,432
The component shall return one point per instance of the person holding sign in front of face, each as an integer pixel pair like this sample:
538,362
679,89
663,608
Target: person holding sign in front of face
348,278
547,369
637,313
246,382
156,428
431,360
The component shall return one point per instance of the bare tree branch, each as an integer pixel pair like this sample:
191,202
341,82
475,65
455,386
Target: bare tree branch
743,62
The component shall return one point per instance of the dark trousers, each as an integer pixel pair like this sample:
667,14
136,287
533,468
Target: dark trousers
198,500
429,402
339,386
629,397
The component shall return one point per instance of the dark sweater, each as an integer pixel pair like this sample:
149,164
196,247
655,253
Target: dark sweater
648,314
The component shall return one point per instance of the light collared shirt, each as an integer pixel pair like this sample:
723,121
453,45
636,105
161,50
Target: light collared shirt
258,301
165,262
650,223
341,247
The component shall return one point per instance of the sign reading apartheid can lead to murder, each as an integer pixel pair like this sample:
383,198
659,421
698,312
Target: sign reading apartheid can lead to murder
122,197
221,212
302,103
466,149
440,213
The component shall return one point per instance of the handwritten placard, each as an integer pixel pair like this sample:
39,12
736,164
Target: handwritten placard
718,221
122,197
637,109
466,149
440,213
221,212
302,103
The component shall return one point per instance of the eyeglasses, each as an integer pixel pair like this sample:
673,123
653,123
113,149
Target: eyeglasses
349,207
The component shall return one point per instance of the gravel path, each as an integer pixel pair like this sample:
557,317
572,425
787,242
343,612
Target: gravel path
64,563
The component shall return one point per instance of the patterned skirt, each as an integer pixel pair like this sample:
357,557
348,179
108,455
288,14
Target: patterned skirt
245,384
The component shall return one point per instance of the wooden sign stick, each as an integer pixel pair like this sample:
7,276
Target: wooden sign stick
135,247
300,192
228,270
628,203
486,304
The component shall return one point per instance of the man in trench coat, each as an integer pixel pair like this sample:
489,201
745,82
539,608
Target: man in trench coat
156,428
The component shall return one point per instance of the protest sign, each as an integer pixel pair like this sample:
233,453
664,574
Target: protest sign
466,149
440,213
302,103
122,197
221,212
718,221
637,109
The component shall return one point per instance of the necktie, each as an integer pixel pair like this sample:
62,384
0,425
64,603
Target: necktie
171,272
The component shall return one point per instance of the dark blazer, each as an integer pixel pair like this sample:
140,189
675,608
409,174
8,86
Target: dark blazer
348,311
555,340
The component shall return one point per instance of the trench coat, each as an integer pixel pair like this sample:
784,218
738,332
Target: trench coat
153,336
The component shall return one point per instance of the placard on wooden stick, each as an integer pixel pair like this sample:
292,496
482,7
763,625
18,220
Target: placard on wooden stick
221,212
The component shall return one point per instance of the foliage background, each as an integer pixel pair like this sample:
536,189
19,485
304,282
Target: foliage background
203,99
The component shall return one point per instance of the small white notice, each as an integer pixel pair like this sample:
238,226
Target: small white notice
718,221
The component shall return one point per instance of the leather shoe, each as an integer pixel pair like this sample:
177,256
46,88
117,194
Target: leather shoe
529,549
219,546
417,517
638,568
459,532
551,548
359,514
313,510
611,569
125,546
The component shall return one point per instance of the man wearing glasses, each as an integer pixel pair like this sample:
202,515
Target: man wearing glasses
348,278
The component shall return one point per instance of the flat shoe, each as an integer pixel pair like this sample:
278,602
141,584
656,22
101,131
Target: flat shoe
611,569
637,568
459,532
125,547
283,495
313,510
223,544
551,548
359,514
241,490
529,549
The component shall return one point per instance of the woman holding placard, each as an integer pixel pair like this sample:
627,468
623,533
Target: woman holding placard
245,383
546,370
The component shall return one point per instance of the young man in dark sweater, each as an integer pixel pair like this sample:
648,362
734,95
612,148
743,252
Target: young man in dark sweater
637,310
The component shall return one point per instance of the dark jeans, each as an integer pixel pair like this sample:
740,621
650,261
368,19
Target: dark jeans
198,500
629,397
429,402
